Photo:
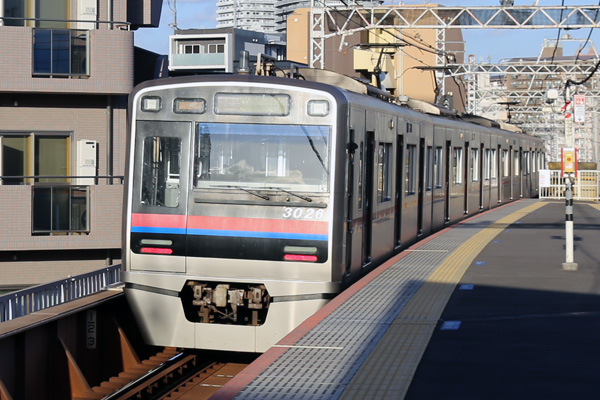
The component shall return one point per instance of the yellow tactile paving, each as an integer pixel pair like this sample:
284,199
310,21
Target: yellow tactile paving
390,367
596,206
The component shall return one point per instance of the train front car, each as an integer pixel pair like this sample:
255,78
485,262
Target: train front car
229,209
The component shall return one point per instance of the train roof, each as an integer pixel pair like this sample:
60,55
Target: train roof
339,86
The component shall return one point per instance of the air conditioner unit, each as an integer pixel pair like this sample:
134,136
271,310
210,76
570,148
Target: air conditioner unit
87,10
87,163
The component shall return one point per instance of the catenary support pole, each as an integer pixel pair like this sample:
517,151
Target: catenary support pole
569,265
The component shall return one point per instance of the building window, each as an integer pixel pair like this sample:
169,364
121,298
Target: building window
60,209
60,52
216,48
44,156
48,13
191,49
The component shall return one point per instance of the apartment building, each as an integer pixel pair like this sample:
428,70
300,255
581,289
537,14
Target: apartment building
269,15
252,15
67,69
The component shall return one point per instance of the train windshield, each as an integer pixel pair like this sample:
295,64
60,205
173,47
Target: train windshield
294,157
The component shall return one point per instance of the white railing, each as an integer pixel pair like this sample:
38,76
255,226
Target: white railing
26,301
586,186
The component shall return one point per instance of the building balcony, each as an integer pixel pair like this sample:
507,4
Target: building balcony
197,61
97,61
51,216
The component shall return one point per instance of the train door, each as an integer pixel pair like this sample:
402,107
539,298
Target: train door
447,168
493,172
519,173
438,185
356,184
482,174
505,181
466,179
501,157
399,191
159,198
421,189
367,197
351,150
511,165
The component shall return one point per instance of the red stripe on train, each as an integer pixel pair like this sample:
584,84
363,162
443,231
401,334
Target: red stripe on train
258,225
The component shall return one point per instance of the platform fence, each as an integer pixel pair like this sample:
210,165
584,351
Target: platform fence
586,186
23,302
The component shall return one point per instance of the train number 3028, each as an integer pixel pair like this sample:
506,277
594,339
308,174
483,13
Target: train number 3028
303,213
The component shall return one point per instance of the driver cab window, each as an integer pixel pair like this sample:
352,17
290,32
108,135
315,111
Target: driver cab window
161,171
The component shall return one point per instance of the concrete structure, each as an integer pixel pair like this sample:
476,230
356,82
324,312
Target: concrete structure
406,58
68,68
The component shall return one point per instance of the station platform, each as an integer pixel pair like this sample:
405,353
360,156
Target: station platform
480,310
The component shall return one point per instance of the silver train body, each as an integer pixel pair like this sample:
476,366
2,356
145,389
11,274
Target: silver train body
252,201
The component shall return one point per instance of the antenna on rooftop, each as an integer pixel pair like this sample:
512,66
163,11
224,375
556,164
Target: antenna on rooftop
173,25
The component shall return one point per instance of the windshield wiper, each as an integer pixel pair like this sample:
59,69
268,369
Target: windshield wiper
307,199
314,149
243,189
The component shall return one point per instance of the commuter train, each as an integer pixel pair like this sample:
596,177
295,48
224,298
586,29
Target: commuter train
251,201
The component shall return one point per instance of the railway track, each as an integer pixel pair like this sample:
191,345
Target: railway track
171,374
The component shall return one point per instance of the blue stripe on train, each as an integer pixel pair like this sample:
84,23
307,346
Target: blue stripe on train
220,233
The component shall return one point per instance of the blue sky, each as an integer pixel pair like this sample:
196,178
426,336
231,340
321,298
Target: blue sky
485,44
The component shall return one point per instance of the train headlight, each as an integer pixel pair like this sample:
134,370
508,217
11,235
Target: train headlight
318,108
189,106
151,103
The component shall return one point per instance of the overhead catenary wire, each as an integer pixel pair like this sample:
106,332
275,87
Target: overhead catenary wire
571,82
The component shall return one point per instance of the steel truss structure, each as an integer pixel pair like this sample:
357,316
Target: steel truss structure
527,112
344,21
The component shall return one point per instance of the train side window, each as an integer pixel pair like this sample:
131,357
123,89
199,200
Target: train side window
438,167
493,166
161,165
411,155
429,169
526,163
505,164
384,182
486,164
534,155
474,165
361,164
457,165
517,171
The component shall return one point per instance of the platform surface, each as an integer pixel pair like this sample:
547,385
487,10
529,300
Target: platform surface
481,310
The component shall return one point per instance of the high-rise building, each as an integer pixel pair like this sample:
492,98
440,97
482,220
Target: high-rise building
269,15
252,15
